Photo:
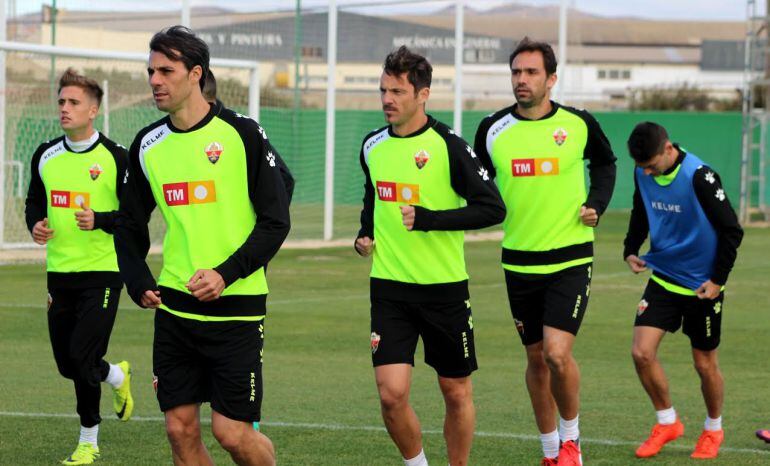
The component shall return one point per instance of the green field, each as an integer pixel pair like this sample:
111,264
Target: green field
320,405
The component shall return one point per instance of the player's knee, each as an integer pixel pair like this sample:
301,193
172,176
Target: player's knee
557,359
642,356
85,372
230,438
706,366
181,432
393,397
457,395
66,369
229,441
536,365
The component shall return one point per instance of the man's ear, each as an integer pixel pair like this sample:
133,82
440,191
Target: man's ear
423,95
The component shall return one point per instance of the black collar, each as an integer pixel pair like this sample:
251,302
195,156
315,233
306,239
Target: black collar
554,109
213,110
679,158
429,124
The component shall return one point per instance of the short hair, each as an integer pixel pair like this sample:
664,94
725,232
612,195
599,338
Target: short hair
528,45
179,43
210,88
418,71
647,140
89,86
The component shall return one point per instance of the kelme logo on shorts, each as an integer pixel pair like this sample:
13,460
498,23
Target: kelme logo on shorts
192,192
389,191
535,167
70,200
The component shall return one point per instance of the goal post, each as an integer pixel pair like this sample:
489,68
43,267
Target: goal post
28,110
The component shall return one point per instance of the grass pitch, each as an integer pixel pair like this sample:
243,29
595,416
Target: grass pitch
320,405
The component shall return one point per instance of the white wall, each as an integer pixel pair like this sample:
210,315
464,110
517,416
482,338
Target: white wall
583,84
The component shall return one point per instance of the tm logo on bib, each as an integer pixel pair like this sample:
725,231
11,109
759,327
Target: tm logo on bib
389,191
535,167
191,192
70,200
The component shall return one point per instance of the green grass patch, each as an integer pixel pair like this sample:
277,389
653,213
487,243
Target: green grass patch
320,405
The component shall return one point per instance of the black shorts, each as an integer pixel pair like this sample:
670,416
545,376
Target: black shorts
557,300
220,362
700,319
446,330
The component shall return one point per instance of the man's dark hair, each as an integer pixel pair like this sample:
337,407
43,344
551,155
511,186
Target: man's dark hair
418,71
91,87
210,88
179,43
647,140
529,45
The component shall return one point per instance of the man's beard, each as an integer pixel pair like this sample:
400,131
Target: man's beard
533,101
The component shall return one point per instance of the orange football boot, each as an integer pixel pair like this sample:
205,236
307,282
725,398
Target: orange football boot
708,444
661,434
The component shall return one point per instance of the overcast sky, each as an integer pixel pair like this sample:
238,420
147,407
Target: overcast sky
732,10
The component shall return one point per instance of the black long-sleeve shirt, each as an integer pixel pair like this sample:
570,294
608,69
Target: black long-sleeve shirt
716,206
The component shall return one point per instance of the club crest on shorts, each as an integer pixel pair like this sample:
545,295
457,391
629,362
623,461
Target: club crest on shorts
375,342
50,300
519,326
155,383
214,151
421,158
559,136
643,305
95,171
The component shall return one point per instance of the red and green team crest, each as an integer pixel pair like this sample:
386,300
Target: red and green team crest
559,136
214,151
421,158
95,171
375,342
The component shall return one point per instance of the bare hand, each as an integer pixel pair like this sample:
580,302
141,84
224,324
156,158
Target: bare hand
364,246
85,218
151,299
708,290
41,233
407,214
588,216
636,264
206,285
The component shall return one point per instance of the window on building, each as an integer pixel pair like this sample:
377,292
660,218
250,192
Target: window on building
614,74
314,52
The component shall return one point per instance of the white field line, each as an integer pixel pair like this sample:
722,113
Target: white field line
344,427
